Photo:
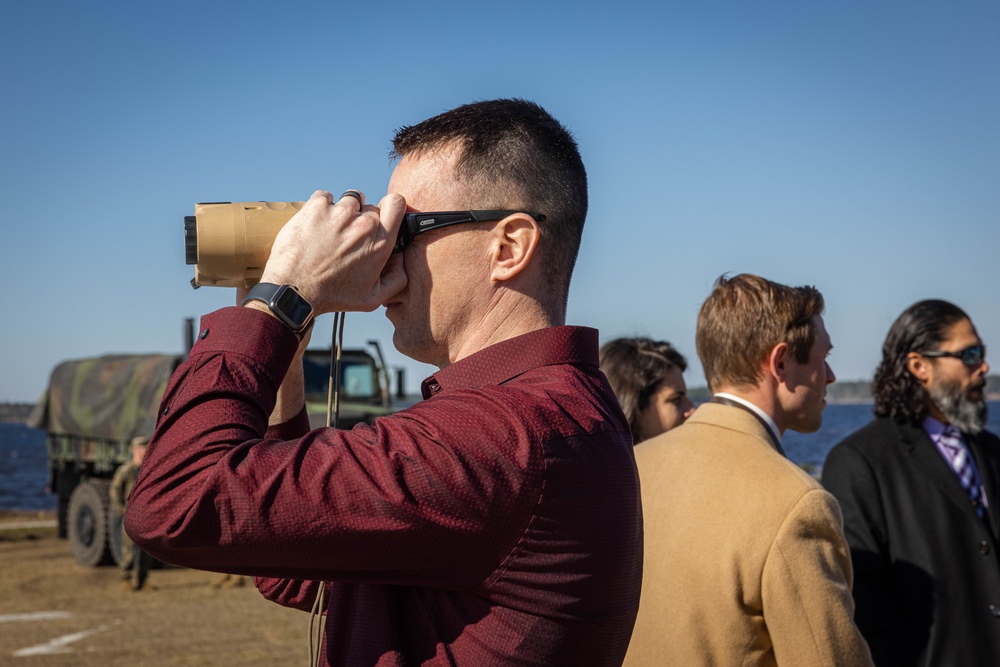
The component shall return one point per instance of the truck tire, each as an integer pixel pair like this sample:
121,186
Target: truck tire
88,523
123,558
62,530
115,538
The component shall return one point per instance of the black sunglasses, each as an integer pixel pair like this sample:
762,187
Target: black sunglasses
970,356
417,223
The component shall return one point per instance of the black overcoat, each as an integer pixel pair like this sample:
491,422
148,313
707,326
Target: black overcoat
926,567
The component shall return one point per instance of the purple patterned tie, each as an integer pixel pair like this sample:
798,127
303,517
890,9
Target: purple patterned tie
958,456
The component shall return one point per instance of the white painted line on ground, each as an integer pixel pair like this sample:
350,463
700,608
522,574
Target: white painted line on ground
59,644
34,616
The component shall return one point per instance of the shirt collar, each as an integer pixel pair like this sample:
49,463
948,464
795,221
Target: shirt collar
757,411
936,428
503,361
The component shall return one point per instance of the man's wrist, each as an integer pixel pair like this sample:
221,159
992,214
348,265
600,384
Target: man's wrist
285,304
261,306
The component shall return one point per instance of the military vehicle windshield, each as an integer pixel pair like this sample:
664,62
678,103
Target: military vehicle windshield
358,376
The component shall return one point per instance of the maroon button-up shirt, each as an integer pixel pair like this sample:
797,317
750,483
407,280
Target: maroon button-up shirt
498,522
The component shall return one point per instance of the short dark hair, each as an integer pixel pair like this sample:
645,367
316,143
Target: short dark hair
920,328
515,156
744,318
635,368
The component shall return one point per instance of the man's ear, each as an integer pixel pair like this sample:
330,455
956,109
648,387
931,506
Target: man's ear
777,362
515,240
919,367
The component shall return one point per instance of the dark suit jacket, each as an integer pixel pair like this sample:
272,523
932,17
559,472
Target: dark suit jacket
926,567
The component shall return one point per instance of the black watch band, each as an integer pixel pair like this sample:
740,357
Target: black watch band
284,301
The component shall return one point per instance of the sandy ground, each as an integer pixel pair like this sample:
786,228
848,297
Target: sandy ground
55,612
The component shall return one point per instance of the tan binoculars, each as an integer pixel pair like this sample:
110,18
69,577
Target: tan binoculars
229,242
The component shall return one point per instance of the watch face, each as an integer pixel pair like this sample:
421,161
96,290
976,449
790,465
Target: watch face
293,306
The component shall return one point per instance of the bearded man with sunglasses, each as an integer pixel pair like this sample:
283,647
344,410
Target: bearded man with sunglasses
495,523
920,491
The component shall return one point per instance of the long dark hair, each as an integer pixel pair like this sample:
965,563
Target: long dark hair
921,328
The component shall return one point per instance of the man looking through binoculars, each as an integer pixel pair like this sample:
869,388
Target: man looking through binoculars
497,521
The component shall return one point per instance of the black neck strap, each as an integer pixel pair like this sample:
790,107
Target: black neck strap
722,400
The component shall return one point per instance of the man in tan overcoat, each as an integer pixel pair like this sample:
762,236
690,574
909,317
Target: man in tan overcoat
745,558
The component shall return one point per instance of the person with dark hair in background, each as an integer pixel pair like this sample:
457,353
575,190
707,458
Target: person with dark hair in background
746,562
920,491
647,377
495,523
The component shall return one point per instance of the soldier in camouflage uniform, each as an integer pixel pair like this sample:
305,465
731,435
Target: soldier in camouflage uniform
135,562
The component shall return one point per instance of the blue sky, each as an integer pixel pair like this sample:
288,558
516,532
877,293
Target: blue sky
853,146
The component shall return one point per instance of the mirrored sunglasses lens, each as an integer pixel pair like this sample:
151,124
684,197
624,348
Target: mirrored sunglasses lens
973,355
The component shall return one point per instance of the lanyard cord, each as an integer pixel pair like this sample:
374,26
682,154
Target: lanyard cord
316,625
333,389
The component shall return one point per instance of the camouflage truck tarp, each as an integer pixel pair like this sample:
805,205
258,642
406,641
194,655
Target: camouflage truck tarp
115,397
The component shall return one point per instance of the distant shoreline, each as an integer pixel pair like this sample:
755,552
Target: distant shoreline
852,392
15,413
858,393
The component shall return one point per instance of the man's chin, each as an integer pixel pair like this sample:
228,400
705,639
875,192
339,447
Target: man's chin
966,411
808,426
409,347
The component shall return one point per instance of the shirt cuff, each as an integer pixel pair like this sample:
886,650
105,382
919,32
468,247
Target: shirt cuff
250,333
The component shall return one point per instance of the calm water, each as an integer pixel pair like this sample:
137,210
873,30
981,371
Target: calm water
24,470
839,421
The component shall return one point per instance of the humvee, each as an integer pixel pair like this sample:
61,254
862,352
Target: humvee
94,407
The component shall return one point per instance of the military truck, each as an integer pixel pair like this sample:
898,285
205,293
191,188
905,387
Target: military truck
93,408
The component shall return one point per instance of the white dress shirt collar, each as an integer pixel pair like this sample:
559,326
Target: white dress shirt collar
757,411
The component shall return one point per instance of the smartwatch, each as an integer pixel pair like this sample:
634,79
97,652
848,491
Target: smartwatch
290,307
